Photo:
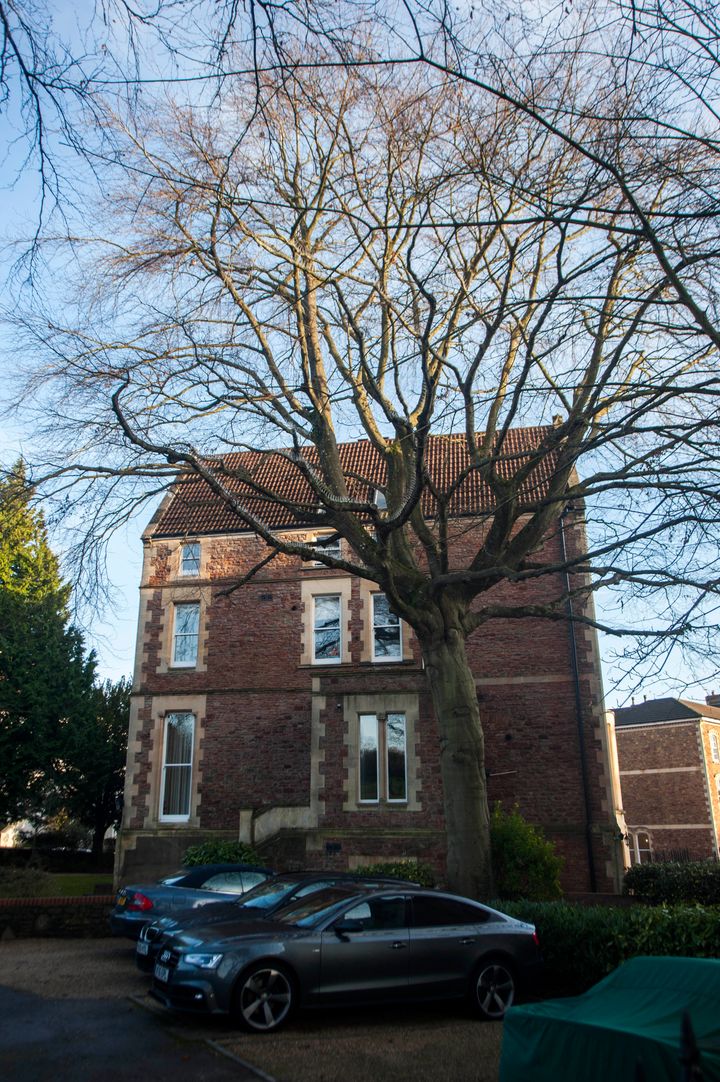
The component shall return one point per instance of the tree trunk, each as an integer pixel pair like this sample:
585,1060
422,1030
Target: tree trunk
97,840
462,757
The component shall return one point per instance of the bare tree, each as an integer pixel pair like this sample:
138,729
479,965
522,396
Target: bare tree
390,256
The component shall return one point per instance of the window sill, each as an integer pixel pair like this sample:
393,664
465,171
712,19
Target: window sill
361,804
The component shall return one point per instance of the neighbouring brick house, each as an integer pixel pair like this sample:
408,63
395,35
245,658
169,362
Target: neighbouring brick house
293,712
669,760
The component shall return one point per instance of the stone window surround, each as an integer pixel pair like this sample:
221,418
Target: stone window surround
184,819
161,706
319,536
367,589
179,634
635,835
714,744
328,585
384,659
181,549
381,747
406,703
183,595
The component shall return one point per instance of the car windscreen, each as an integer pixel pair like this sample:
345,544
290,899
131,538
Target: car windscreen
269,893
314,909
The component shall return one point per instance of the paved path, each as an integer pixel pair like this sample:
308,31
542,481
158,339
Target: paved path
100,1040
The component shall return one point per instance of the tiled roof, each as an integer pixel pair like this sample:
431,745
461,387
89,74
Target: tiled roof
195,509
658,710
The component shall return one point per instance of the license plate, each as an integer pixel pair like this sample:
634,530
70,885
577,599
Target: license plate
162,973
142,947
122,900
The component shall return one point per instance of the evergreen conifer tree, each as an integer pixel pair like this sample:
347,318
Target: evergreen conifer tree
46,679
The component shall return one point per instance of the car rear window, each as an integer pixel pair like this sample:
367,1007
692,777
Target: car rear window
312,910
429,912
269,893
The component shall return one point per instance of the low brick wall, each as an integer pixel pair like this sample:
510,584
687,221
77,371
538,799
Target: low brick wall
78,918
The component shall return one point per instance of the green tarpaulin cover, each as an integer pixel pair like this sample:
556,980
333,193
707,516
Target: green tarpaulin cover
634,1014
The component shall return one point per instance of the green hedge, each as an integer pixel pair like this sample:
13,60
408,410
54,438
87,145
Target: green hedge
415,871
672,882
25,883
525,864
582,944
221,852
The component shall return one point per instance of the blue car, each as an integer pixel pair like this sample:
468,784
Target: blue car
138,904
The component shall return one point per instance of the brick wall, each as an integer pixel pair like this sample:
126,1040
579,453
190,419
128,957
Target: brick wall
664,787
72,918
274,732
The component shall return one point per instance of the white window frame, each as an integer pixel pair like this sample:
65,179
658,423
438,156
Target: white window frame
395,799
382,750
332,550
636,850
327,660
194,571
714,747
380,499
163,818
378,759
175,662
384,659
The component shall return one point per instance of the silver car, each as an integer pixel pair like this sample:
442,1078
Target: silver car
349,946
138,904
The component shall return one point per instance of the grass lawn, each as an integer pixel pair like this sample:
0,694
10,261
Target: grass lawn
32,883
75,884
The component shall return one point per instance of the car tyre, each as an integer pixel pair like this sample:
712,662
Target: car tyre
493,989
264,997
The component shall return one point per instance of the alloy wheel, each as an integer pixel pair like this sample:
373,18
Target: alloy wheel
265,999
494,990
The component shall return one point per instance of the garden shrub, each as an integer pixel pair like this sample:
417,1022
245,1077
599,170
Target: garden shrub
221,852
415,871
25,883
672,882
582,944
525,864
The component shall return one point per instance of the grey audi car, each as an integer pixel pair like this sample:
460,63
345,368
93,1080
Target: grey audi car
264,900
349,946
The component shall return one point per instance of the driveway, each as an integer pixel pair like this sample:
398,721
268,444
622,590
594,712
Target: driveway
76,1010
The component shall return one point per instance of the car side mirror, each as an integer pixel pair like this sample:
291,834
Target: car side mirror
343,927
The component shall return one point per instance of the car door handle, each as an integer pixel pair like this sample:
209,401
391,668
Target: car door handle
398,945
465,942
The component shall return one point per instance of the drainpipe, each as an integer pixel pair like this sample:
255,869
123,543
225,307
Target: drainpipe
578,707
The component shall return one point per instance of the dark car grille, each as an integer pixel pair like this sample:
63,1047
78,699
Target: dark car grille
151,933
169,958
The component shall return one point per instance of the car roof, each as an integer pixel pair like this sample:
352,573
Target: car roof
350,877
202,871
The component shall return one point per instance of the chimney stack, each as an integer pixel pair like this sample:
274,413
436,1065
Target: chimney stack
713,699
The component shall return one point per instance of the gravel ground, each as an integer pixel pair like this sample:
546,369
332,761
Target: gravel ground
429,1043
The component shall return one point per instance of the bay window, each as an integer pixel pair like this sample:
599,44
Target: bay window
382,758
327,638
176,790
185,634
387,632
190,558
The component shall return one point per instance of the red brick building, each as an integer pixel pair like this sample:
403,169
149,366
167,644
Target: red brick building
669,760
293,712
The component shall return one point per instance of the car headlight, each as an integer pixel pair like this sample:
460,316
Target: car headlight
203,961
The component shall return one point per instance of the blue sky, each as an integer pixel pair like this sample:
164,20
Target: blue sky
112,631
